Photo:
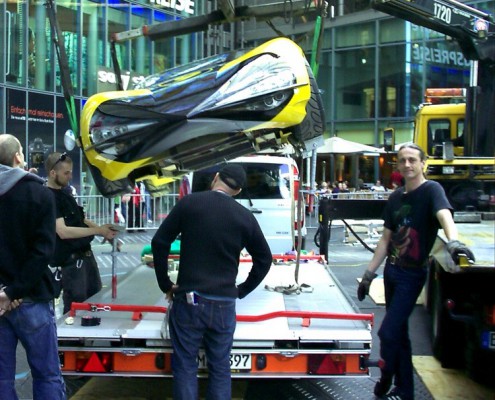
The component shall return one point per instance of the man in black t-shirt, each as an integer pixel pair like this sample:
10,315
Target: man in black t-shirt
80,275
412,217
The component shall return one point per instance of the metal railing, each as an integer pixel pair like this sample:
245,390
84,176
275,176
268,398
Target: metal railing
313,197
133,211
140,212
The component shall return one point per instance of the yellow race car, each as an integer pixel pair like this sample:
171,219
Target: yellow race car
200,114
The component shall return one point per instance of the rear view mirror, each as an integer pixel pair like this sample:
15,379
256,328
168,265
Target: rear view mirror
69,140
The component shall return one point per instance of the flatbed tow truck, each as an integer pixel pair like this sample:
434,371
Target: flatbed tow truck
284,330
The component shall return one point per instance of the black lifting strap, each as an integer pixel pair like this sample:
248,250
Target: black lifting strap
357,237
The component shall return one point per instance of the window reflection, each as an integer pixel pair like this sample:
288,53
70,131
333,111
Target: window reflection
355,90
17,47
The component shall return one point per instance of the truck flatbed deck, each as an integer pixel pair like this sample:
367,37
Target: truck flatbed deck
318,332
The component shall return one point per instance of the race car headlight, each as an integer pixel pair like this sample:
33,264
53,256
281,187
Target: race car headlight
116,139
99,135
264,77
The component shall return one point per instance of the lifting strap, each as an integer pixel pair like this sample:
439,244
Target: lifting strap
63,63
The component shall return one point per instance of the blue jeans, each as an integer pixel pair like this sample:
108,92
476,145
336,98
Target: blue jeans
211,323
403,285
33,324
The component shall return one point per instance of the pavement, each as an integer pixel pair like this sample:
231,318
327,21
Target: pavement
348,261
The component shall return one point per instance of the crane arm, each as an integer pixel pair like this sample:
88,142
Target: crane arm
473,29
217,17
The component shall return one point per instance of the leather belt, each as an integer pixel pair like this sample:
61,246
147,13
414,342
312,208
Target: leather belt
81,254
393,260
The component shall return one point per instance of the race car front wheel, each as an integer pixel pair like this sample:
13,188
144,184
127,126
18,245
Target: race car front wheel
313,124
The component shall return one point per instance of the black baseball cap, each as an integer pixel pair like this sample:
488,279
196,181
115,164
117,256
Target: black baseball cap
233,175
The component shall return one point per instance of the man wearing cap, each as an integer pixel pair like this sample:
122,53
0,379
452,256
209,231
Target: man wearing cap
214,228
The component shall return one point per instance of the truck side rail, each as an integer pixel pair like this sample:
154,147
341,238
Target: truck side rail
137,311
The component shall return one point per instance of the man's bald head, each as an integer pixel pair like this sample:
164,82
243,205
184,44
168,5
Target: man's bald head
10,147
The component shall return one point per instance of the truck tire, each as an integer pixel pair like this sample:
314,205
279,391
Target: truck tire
464,195
480,363
446,333
313,124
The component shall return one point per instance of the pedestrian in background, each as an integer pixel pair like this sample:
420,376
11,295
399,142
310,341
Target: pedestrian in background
214,229
27,242
396,179
135,211
80,275
412,217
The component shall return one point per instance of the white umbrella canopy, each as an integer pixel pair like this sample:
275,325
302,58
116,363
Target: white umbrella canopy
336,145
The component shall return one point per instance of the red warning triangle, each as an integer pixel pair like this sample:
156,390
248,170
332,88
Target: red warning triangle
94,364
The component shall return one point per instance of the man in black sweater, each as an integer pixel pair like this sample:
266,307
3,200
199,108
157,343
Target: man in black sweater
214,229
27,241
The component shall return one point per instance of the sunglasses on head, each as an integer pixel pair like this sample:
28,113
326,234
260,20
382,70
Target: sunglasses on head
62,158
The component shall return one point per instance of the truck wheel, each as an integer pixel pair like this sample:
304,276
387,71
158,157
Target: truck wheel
464,194
313,124
480,363
445,332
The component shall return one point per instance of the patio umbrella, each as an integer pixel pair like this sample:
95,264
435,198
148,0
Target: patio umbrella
337,145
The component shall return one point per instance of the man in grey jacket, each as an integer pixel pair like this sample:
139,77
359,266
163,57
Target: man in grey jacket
27,241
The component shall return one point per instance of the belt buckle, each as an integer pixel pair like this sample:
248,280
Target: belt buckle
393,260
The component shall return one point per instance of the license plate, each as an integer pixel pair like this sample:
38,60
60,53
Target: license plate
491,341
238,361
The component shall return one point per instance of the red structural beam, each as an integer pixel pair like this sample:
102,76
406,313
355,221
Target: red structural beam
137,311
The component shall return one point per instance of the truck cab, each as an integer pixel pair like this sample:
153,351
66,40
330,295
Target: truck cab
439,127
271,194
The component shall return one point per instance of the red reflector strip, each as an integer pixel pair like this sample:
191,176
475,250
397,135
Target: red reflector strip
95,363
326,364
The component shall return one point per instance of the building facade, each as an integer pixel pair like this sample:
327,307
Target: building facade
373,69
32,105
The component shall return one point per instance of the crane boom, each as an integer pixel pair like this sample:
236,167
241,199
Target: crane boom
218,17
473,29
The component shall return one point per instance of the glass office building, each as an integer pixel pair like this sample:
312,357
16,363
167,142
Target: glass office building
373,69
32,105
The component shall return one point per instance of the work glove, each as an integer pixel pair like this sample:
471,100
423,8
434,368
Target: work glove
364,285
456,248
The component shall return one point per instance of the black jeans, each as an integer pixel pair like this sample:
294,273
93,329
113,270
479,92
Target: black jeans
403,285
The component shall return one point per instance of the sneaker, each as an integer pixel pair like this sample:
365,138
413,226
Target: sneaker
396,394
383,386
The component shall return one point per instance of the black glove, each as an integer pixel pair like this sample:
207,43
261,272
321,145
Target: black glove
364,285
456,248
